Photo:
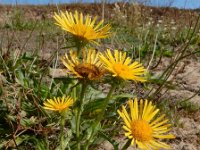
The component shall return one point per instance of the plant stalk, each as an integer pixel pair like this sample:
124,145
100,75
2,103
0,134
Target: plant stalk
79,111
99,118
62,125
126,145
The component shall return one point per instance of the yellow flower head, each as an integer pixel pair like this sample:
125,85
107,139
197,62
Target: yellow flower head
89,67
58,104
82,27
120,66
143,127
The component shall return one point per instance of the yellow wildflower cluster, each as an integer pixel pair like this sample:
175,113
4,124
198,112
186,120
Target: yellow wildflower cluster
140,126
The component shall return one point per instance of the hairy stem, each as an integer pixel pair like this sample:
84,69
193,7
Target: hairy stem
79,111
99,118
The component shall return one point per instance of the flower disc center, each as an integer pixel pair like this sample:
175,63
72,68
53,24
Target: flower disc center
122,70
83,31
141,130
88,71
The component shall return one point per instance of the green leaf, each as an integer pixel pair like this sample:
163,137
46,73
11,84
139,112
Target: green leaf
108,138
123,95
67,139
40,144
94,107
20,77
28,122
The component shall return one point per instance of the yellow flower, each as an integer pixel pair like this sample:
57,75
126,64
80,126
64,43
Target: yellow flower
89,67
82,27
143,128
58,104
120,66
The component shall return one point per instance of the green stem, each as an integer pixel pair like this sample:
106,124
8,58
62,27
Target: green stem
79,46
128,143
62,125
107,101
78,50
100,116
79,111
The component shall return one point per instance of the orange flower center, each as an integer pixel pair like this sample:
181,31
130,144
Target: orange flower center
84,31
89,71
61,107
141,130
122,70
